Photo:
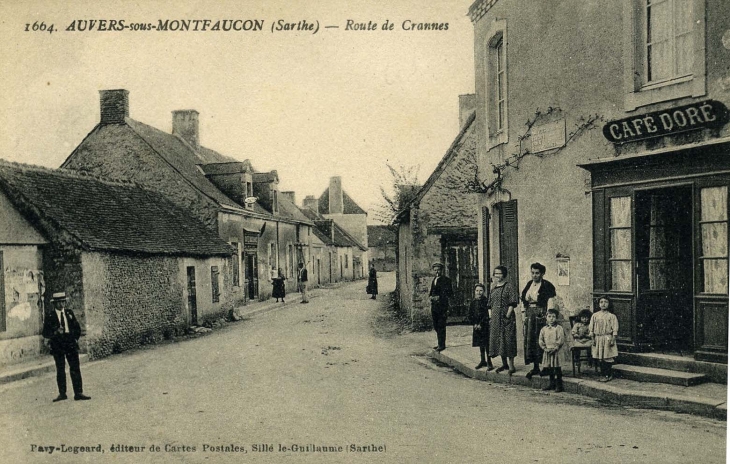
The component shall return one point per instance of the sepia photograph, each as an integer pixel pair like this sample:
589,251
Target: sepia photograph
364,231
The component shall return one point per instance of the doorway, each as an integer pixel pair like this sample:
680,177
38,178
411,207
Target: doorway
192,296
460,257
664,267
252,271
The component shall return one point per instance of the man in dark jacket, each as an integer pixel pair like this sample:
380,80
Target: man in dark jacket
440,294
303,278
63,331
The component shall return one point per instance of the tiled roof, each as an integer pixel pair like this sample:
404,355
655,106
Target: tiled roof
466,136
322,237
182,158
312,215
270,176
348,204
289,210
380,236
105,215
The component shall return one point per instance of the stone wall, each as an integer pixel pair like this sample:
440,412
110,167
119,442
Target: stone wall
130,301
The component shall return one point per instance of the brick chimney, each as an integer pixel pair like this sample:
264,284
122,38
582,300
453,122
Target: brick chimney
336,201
114,106
467,105
185,126
289,196
311,202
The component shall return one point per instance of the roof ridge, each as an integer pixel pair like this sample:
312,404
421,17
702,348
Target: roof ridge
74,174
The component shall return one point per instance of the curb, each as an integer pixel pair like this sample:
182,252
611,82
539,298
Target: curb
23,372
699,406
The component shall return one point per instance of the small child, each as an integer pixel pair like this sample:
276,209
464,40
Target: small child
581,332
551,340
479,318
603,329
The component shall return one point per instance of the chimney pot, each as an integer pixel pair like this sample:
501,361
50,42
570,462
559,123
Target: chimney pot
185,125
336,199
114,106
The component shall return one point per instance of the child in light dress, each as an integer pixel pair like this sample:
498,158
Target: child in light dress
603,329
552,340
581,331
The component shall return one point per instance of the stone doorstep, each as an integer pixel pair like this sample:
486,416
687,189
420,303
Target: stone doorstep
657,375
707,407
32,368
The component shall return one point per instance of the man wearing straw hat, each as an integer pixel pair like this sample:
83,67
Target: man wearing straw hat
63,331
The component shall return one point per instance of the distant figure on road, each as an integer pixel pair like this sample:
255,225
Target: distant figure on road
503,326
479,318
279,289
372,282
303,278
63,331
439,294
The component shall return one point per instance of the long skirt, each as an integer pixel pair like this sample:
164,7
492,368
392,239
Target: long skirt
502,336
534,322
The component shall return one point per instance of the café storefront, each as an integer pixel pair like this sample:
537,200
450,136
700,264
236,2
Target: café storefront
660,232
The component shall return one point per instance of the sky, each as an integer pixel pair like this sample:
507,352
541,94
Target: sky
334,103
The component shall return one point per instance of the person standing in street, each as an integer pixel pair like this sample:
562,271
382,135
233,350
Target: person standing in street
440,294
479,318
279,286
502,302
303,278
372,282
62,329
537,297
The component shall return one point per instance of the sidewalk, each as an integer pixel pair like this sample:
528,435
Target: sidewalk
39,366
707,399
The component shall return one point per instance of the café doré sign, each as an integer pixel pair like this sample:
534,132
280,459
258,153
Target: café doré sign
700,115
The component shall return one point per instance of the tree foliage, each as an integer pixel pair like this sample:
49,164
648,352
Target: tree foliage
401,189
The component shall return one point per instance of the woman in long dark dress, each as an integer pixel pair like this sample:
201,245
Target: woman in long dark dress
537,297
503,326
479,318
372,282
279,289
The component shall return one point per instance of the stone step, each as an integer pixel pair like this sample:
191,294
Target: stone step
715,371
32,368
656,375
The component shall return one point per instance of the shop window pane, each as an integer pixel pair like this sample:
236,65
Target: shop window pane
716,276
714,203
621,212
658,270
714,239
657,242
621,244
621,276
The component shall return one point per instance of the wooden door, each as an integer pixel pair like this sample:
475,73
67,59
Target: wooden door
664,267
192,296
252,270
462,268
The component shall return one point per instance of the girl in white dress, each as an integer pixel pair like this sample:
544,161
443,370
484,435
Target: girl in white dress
603,330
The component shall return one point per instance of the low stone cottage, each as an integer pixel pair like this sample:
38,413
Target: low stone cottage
136,268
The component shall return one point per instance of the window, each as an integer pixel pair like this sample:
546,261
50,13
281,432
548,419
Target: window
496,84
713,233
620,243
665,50
347,261
275,200
215,284
236,265
249,193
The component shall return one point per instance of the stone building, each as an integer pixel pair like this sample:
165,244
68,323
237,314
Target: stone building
336,204
336,259
136,268
440,224
381,247
242,205
604,147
